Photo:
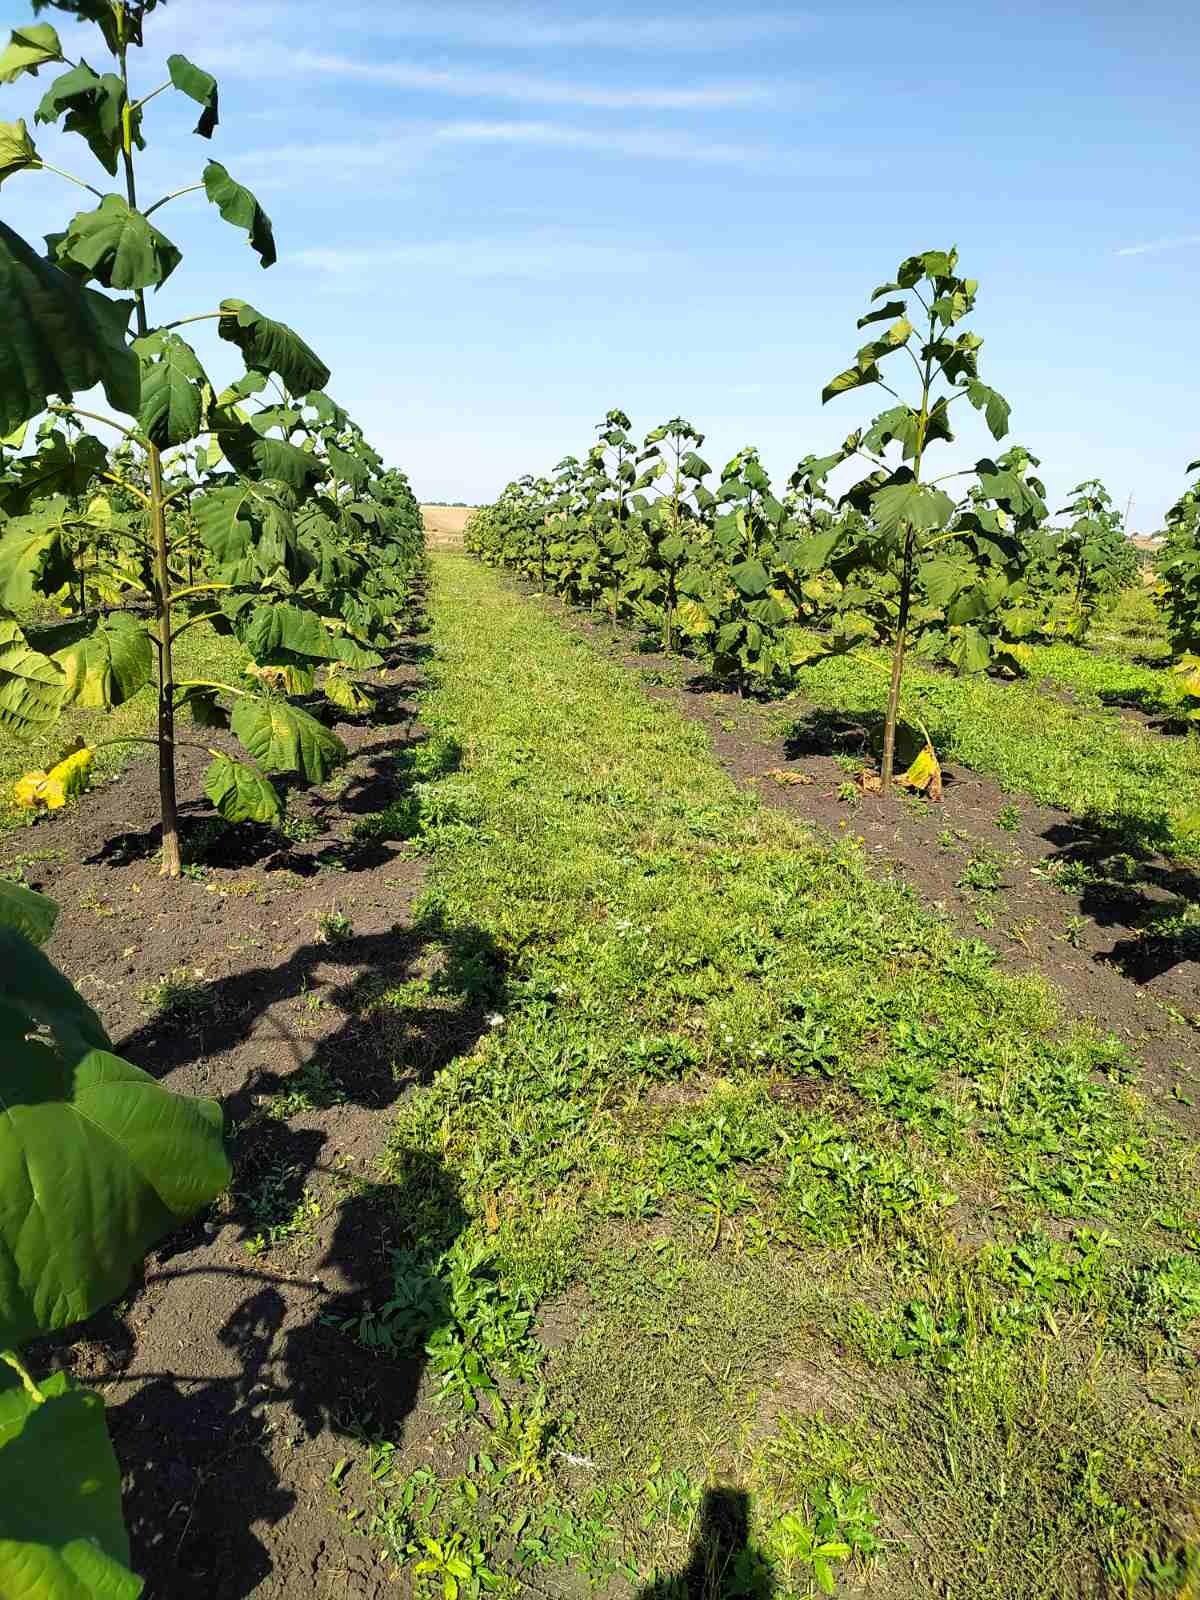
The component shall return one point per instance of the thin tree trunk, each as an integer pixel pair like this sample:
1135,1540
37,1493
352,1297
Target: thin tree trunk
162,576
893,704
166,675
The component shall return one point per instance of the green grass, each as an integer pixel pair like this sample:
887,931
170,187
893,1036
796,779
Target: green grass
1111,773
199,653
1099,679
765,1185
1133,627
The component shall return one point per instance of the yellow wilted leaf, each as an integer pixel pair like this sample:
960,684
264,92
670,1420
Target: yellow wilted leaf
1187,669
28,790
691,619
51,790
782,775
925,774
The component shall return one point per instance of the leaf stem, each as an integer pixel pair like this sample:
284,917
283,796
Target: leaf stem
130,488
97,416
198,588
190,188
47,166
209,683
11,1359
204,616
145,101
200,316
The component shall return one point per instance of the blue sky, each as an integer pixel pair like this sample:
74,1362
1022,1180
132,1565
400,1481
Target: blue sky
495,222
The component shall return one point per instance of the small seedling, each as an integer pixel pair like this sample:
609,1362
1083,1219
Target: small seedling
1009,818
333,927
178,993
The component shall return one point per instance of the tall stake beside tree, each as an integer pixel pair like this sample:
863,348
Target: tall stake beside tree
68,337
945,563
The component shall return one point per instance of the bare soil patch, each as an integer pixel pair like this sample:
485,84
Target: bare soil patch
444,525
232,1393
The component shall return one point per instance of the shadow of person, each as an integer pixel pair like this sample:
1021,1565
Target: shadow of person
723,1563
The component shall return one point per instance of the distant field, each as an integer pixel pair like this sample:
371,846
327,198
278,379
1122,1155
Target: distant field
444,525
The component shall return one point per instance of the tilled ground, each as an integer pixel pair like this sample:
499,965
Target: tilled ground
232,1395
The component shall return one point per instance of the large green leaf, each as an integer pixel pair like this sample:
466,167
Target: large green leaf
942,578
28,49
16,148
97,1159
200,86
855,377
239,793
107,666
94,104
751,577
32,557
247,517
893,309
31,685
223,521
255,457
910,505
27,911
283,738
118,246
61,466
59,337
993,405
284,626
347,467
971,651
175,389
270,346
238,206
62,1536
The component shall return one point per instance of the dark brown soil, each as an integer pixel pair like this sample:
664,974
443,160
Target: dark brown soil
231,1395
1095,944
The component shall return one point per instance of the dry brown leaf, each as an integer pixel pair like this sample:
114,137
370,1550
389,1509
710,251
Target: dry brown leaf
869,782
782,775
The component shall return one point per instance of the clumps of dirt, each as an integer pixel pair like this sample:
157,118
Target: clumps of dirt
296,981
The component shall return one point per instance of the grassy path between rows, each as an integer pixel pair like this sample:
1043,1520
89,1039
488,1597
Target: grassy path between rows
800,1250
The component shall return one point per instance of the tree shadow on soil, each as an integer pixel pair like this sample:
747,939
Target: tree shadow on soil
722,1561
1127,885
1148,702
201,1455
379,1049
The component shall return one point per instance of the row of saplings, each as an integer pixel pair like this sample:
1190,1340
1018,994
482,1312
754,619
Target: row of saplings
256,508
961,568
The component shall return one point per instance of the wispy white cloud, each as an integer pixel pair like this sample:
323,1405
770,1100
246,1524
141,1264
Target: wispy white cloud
400,149
1153,247
654,144
542,254
504,28
472,83
492,27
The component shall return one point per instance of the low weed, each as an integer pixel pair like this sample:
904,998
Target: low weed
177,994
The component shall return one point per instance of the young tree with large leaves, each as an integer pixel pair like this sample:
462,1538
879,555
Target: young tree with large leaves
932,560
1178,568
68,336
